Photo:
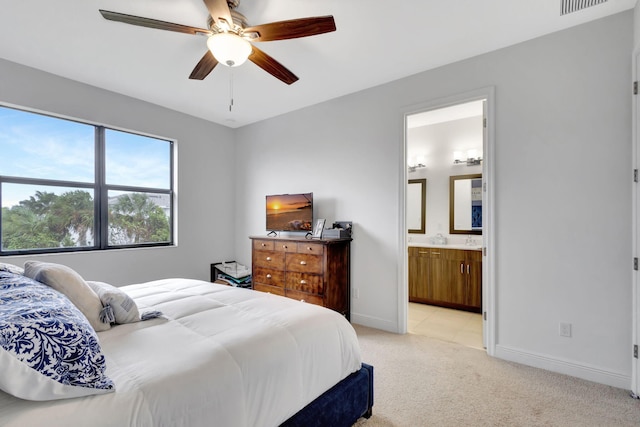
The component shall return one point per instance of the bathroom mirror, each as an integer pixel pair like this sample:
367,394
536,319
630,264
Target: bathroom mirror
465,204
416,205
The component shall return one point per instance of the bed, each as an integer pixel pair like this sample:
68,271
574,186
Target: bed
213,355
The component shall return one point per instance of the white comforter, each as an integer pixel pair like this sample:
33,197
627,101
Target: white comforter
220,356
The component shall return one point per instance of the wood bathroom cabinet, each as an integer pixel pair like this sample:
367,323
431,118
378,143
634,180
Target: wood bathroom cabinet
446,277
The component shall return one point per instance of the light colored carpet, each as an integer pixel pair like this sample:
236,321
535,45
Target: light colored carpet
420,381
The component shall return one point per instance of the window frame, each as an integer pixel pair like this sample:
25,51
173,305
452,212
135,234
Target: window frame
100,191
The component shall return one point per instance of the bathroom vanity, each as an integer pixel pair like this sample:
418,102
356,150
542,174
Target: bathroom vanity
446,275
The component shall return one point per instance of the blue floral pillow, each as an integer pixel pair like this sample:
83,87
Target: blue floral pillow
11,268
48,349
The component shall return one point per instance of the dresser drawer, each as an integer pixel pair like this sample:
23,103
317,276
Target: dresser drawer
303,296
268,276
263,245
285,246
310,248
437,253
269,289
415,251
311,283
269,259
304,263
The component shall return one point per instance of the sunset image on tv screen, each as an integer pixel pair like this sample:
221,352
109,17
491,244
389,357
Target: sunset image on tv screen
290,212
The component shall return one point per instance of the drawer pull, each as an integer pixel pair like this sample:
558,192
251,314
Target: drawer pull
268,276
423,252
435,253
310,248
268,258
303,282
284,246
264,244
303,262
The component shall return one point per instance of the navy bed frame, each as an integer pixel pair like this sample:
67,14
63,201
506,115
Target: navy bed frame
341,405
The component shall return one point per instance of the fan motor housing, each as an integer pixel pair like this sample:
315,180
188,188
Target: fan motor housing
239,20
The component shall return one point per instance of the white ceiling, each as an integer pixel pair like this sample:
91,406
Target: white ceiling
375,42
446,114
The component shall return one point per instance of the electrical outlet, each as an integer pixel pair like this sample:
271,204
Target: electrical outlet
565,330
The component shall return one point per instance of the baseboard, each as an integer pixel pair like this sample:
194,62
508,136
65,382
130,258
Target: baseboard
566,367
374,322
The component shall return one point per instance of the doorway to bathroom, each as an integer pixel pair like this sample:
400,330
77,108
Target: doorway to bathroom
446,204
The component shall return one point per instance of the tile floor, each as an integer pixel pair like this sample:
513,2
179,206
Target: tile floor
446,324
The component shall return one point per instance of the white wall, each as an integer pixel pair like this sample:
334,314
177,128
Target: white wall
636,28
439,141
205,219
562,170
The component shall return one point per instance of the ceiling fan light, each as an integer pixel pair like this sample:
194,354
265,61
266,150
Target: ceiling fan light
229,49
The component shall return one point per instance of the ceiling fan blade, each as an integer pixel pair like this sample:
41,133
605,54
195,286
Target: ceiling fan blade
219,9
204,67
152,23
272,66
293,28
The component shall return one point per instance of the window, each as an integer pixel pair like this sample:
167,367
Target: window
68,186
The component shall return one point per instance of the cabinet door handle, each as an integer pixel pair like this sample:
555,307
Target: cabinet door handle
268,258
303,262
268,276
461,268
303,282
468,268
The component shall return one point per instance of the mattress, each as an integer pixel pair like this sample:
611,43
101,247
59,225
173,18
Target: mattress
218,355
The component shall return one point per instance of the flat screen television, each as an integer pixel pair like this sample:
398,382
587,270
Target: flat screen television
290,212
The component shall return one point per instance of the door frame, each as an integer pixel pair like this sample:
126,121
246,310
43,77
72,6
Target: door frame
489,299
635,226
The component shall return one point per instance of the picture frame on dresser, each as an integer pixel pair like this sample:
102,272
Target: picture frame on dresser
318,228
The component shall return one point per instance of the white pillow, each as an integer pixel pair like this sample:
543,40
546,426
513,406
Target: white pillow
124,307
65,280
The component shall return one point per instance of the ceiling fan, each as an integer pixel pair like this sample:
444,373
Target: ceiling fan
229,37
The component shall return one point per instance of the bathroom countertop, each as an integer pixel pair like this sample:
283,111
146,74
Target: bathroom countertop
448,246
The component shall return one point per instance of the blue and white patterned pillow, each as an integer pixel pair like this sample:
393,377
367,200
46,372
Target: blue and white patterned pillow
48,349
11,268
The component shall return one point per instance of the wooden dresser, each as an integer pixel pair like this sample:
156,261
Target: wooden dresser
314,271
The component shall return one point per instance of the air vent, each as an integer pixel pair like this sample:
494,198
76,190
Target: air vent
569,6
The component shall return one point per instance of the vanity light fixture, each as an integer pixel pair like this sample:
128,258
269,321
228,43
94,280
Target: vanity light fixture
472,158
414,167
416,163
